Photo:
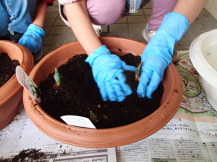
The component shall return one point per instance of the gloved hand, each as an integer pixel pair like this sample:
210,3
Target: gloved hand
108,72
158,53
32,38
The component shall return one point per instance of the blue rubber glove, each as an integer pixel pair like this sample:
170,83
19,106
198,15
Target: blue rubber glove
32,38
158,53
108,72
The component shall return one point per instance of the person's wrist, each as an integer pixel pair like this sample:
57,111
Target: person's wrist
37,24
159,49
36,29
171,30
102,50
175,25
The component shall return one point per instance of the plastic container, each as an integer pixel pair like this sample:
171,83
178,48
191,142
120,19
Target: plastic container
203,55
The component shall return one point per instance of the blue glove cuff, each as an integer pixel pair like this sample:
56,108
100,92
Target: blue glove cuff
171,30
175,25
102,50
36,29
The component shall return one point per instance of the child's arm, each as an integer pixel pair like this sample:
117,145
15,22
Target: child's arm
40,14
190,8
32,38
107,68
81,25
158,53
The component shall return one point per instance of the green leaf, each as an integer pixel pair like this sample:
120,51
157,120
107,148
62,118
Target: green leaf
93,117
57,77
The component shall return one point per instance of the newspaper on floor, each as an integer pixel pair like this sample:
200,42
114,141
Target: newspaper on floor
190,136
22,141
193,139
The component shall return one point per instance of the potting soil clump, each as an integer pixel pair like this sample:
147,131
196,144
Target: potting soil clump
78,94
7,68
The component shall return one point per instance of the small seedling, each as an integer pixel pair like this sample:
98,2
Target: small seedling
57,77
105,117
93,117
138,71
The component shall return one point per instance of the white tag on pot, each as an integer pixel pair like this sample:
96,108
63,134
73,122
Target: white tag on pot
77,121
28,84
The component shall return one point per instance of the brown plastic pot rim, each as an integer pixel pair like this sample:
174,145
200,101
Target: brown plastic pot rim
89,129
172,98
14,91
26,63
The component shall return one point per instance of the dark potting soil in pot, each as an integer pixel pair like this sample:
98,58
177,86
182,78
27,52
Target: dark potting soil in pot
79,95
7,68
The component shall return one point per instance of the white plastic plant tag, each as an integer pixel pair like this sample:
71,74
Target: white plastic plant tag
28,84
78,121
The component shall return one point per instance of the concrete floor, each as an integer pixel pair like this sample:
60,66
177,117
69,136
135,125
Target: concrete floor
57,33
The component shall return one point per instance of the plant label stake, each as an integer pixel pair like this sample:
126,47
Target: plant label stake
78,121
28,84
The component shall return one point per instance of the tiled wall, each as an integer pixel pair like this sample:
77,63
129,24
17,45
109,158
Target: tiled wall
211,7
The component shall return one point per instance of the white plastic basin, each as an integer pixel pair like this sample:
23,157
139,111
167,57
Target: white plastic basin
203,55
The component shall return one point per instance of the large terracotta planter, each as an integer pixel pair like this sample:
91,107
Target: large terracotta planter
102,138
11,91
